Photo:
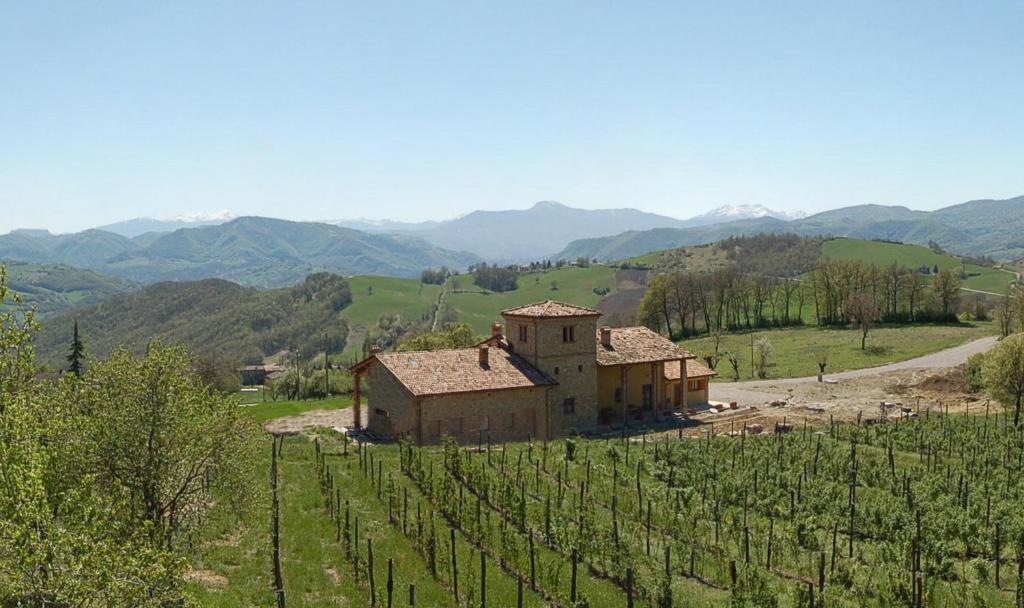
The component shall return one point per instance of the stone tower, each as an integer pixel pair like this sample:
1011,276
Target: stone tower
560,340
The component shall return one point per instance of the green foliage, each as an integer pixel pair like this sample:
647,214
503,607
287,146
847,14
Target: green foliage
211,317
1003,373
455,335
495,278
68,535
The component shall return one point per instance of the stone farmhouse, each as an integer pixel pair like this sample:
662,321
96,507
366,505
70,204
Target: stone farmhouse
549,371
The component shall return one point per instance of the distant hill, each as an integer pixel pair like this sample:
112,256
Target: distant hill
976,228
539,232
55,288
211,317
252,251
89,249
637,243
141,225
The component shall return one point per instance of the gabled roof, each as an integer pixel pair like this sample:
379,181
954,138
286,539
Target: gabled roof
550,309
694,369
441,372
631,345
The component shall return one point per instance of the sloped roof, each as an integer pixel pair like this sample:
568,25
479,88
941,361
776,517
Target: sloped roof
631,345
440,372
694,369
551,308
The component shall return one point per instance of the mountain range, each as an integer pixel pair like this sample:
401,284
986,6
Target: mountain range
545,228
993,228
251,251
142,225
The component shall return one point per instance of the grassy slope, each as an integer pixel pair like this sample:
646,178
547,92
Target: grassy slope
411,299
408,298
575,285
914,256
795,350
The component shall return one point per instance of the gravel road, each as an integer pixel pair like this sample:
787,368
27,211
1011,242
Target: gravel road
760,391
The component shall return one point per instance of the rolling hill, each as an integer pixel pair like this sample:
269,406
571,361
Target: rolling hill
55,288
250,250
982,227
211,316
527,235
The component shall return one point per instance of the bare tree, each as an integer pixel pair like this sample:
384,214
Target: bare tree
864,313
947,292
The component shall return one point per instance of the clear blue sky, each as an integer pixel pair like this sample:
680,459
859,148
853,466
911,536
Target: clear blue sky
418,110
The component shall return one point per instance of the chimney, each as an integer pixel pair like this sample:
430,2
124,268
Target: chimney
374,350
484,350
606,337
495,330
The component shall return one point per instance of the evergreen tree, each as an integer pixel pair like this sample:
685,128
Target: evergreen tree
76,358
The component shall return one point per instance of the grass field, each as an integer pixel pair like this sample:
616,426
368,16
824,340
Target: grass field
262,412
915,256
575,286
373,296
795,350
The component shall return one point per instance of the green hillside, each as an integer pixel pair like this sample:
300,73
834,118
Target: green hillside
373,296
211,317
883,254
463,301
55,288
574,285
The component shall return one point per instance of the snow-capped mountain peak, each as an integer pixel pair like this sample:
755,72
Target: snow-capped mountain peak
743,212
222,215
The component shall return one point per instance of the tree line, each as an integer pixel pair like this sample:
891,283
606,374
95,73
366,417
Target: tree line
835,292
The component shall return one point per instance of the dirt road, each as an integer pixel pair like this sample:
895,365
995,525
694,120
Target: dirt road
761,391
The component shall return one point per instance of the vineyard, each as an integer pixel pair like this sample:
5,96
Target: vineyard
923,511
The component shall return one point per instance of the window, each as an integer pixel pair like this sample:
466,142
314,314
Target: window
648,396
556,371
569,333
569,406
618,394
381,412
522,333
579,368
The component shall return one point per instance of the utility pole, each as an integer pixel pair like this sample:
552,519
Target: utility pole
751,356
327,368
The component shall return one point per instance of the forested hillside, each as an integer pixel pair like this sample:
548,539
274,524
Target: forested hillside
54,288
211,317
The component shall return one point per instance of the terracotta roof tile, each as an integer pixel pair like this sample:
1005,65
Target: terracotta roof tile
637,345
459,371
694,369
551,308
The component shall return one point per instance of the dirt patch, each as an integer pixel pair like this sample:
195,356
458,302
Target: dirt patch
207,578
948,381
879,396
316,419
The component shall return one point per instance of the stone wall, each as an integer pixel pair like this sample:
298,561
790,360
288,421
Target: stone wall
573,364
390,412
507,415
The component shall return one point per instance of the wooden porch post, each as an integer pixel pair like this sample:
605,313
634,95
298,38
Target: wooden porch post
358,421
655,406
684,384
